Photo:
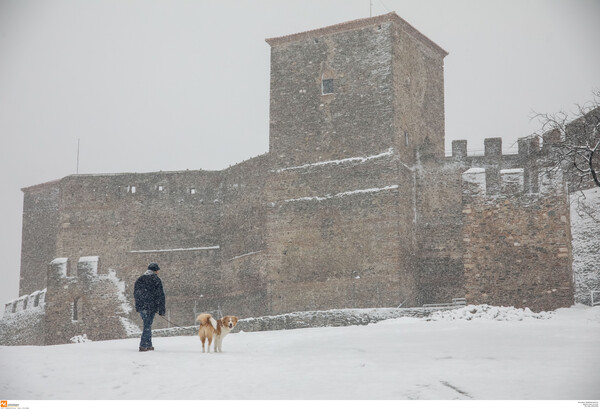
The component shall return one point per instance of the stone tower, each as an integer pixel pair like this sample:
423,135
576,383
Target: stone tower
355,88
350,106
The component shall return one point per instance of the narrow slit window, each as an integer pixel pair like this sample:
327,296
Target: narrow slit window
77,309
327,86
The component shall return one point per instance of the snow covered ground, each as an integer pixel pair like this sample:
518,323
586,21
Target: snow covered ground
476,352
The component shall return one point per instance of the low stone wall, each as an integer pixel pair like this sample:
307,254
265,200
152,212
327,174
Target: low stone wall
23,328
309,319
23,320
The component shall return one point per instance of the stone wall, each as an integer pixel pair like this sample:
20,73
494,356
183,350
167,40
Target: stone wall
130,220
39,234
336,235
438,223
517,244
418,81
243,240
84,301
23,320
309,319
514,187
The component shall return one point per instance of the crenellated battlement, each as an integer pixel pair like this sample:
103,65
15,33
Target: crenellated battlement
59,270
27,303
85,300
23,322
505,174
528,148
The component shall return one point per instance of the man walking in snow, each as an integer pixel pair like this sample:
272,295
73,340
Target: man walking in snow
149,299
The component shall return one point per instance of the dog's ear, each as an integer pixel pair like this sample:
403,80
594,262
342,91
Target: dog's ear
235,320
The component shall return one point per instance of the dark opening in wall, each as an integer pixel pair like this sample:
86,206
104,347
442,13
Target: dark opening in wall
77,308
327,87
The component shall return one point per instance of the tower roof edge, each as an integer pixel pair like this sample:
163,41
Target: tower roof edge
356,24
40,185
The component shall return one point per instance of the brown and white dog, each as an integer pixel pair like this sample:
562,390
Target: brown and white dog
217,329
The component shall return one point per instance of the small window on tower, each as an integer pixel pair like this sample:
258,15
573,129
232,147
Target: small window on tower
327,87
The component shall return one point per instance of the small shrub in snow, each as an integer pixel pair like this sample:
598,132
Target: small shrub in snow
79,339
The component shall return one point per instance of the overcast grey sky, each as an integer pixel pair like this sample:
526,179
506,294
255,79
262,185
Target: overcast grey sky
173,85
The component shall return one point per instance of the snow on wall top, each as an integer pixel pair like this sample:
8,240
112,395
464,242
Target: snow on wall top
511,171
354,192
28,302
61,265
474,170
361,159
179,249
89,259
125,305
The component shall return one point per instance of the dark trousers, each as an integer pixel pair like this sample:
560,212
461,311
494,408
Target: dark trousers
147,318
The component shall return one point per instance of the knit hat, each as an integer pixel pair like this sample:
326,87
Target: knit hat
153,267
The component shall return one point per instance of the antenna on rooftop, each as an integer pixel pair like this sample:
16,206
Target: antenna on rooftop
78,156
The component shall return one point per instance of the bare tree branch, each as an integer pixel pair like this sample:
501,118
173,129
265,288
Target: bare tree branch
572,143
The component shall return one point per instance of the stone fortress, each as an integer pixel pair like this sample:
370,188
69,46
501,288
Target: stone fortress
354,206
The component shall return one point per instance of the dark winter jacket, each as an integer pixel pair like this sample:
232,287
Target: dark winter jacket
149,294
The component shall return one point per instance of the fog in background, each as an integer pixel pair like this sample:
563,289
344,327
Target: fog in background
174,85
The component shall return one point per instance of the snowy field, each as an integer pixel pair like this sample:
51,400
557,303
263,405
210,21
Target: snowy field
472,353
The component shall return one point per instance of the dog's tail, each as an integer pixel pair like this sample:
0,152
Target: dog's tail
206,319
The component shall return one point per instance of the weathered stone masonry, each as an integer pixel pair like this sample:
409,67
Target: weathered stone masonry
354,206
494,224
